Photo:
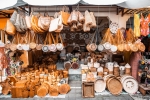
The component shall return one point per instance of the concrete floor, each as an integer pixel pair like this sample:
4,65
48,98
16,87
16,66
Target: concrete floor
75,94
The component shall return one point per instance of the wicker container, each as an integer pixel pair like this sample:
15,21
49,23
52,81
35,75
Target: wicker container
67,65
42,91
65,74
110,72
116,71
100,74
25,93
88,90
31,93
16,92
114,86
75,65
100,85
53,91
64,89
93,69
130,85
128,71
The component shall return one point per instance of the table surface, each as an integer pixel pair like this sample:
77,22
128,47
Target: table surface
144,86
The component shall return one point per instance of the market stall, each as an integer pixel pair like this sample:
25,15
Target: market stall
43,47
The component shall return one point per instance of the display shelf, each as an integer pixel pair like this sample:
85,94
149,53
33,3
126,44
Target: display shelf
3,78
74,74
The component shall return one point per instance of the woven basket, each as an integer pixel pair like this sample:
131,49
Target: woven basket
53,91
126,47
141,47
88,89
65,74
64,88
128,71
114,86
67,65
81,17
75,65
133,47
100,85
130,85
120,47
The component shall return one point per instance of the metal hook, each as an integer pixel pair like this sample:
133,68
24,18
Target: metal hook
109,15
98,14
77,8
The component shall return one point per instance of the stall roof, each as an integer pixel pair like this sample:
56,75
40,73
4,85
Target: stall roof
135,4
72,2
118,6
131,4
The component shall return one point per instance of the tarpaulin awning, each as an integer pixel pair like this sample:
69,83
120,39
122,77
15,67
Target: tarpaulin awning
134,4
103,2
7,4
131,4
51,3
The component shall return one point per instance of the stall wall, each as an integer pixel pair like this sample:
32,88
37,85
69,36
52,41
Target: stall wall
121,20
3,22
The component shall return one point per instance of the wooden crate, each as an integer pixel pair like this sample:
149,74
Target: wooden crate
143,89
88,90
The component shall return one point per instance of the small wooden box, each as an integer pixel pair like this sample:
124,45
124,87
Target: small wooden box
93,69
143,89
16,92
88,90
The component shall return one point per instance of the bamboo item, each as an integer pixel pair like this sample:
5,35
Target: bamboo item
114,86
128,82
42,91
64,89
100,85
81,17
88,19
53,91
88,90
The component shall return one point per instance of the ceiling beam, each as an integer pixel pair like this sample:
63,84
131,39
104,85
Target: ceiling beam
122,12
100,22
126,12
5,14
117,10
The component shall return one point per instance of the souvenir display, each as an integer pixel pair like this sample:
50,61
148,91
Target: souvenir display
107,76
113,27
40,54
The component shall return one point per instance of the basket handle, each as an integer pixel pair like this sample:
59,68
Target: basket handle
45,41
14,39
18,38
1,39
93,37
65,9
61,40
53,38
57,37
33,38
88,83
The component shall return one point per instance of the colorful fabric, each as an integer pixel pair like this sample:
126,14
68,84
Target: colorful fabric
3,58
137,25
144,22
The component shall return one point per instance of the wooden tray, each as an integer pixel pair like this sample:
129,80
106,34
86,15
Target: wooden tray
88,90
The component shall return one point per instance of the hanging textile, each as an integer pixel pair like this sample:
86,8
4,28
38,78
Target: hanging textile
137,25
144,22
3,58
135,57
